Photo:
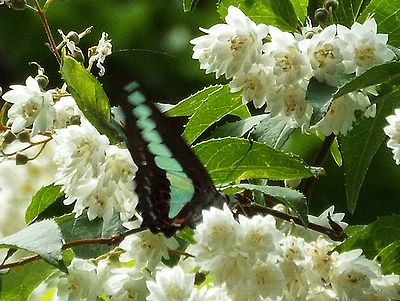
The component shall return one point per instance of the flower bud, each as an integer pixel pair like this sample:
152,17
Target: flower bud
42,80
331,5
18,4
321,15
24,137
74,37
21,159
78,55
9,137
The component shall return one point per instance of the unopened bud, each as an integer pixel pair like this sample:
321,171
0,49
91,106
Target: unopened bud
18,4
42,80
21,159
331,5
9,137
74,37
24,137
78,55
321,14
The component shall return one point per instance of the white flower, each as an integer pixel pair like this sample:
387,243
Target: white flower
393,132
320,257
231,47
209,294
366,47
256,85
79,284
340,116
288,63
66,110
351,274
127,284
322,219
290,101
171,284
324,52
100,52
258,235
31,106
146,248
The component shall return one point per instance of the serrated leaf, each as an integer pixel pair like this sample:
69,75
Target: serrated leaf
228,160
360,145
389,258
82,228
386,73
90,98
42,200
20,281
374,237
43,238
273,131
289,197
387,16
215,107
348,11
238,128
271,12
188,106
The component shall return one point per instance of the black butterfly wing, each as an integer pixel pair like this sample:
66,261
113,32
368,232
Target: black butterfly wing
172,184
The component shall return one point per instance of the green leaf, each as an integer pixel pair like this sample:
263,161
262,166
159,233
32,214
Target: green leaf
300,7
20,281
289,197
232,159
389,258
238,128
335,152
387,16
348,11
271,12
188,106
189,5
386,73
82,228
42,200
90,98
374,237
360,145
43,238
216,106
273,131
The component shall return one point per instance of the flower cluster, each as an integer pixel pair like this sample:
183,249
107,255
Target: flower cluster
278,72
393,131
245,259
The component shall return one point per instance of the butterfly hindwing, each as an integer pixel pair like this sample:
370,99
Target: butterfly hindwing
172,184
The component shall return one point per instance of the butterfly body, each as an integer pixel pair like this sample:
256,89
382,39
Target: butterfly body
172,184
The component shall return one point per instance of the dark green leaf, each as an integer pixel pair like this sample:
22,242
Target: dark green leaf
348,11
238,128
189,5
289,197
188,106
273,131
216,106
42,200
82,228
43,238
271,12
386,73
389,258
374,237
20,281
387,16
90,98
232,159
360,145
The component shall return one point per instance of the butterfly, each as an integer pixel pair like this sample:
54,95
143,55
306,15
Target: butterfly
172,184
